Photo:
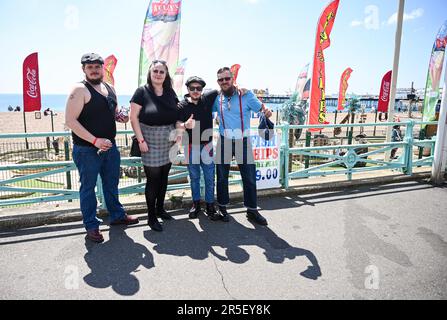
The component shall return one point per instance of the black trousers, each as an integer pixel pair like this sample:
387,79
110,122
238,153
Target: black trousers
156,187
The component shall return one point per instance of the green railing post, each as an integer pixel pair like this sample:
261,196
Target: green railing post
285,154
421,149
67,158
308,140
139,175
409,142
375,121
350,137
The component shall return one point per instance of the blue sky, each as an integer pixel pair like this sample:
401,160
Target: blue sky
271,39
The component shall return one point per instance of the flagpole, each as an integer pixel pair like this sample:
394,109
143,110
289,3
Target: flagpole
24,123
400,19
440,155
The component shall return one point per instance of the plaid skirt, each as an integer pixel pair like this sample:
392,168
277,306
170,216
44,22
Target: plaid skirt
160,140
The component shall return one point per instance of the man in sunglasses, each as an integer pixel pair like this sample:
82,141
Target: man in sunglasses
91,113
234,111
196,114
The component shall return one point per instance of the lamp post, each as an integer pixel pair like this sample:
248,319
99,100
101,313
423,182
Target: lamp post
400,19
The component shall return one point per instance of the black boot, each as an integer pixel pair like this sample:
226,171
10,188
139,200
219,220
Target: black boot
223,214
153,223
161,213
211,212
255,216
195,210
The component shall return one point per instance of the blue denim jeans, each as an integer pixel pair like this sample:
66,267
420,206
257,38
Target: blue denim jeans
90,165
201,157
242,151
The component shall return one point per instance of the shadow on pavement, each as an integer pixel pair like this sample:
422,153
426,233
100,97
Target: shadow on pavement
113,262
182,238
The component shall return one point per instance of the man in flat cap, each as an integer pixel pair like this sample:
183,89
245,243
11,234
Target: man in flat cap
91,114
196,114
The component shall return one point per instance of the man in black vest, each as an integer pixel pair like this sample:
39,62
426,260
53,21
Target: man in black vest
91,113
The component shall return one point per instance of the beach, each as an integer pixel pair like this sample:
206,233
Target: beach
12,122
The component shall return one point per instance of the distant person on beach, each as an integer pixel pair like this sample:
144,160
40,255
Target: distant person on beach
396,136
91,114
154,115
234,112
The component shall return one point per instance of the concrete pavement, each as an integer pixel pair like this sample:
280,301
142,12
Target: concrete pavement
369,242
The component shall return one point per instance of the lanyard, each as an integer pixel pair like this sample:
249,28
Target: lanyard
240,108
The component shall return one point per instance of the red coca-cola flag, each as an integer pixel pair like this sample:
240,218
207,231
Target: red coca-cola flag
31,86
385,88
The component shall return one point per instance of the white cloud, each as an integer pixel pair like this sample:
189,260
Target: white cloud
356,23
416,13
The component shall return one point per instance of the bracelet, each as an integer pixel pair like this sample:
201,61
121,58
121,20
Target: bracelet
94,141
141,141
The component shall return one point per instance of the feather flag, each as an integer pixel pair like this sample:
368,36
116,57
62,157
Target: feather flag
161,36
343,88
301,82
432,91
109,67
317,109
178,77
31,86
235,72
385,89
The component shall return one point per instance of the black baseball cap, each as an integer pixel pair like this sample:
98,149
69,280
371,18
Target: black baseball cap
92,58
196,80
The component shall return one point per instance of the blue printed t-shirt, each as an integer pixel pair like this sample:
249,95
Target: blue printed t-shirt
232,115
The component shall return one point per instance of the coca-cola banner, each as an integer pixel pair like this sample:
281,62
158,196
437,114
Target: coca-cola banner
31,87
385,88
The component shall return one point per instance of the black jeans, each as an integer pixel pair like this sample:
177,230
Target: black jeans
242,151
156,187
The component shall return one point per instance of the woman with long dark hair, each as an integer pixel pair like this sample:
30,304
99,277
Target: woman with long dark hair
153,118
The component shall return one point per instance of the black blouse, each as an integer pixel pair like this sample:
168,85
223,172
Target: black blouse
156,111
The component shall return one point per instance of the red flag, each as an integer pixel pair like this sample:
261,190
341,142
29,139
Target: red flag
384,98
235,72
317,109
109,67
343,88
31,86
306,90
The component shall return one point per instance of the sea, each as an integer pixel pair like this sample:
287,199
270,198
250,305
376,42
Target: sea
57,102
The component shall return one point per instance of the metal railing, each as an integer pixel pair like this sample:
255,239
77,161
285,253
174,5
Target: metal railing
46,173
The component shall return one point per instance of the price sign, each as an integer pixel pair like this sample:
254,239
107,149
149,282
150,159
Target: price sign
267,159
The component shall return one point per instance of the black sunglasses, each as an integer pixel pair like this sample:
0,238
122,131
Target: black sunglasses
198,89
224,79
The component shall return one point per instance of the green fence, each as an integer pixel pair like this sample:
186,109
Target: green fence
44,172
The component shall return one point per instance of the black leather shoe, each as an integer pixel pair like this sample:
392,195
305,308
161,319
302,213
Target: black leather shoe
223,214
161,213
155,225
195,210
211,212
255,216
